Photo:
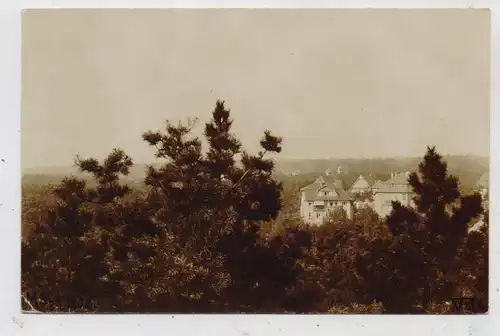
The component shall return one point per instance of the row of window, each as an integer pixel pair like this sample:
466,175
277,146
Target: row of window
332,203
395,198
318,214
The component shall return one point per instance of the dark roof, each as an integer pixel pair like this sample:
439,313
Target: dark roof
339,183
369,178
312,190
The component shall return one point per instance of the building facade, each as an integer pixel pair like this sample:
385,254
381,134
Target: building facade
483,185
322,197
326,195
396,188
377,186
364,183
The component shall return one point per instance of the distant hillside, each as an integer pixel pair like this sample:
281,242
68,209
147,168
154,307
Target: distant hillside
53,175
467,168
379,165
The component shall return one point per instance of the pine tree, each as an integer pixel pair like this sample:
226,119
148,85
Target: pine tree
190,243
65,264
419,260
214,207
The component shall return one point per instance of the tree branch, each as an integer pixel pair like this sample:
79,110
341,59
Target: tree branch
261,156
158,149
241,178
29,304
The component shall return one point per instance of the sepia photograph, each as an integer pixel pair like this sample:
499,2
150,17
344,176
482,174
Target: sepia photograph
255,161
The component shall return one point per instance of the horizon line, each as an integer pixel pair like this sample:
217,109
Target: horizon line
23,169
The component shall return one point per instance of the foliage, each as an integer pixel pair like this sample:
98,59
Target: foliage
215,231
419,260
372,308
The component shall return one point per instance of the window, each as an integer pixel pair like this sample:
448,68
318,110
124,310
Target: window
331,203
317,215
310,216
326,193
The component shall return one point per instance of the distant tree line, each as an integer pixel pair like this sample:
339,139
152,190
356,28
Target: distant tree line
210,233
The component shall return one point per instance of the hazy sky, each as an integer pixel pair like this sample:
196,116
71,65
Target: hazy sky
333,83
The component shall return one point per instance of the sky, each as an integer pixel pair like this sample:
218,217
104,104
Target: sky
333,83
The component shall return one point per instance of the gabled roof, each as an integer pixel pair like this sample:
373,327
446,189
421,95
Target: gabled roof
311,191
378,184
320,179
397,188
368,178
396,184
339,183
399,179
484,180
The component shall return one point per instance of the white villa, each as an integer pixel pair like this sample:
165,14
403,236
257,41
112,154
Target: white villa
322,197
396,188
364,183
325,194
483,185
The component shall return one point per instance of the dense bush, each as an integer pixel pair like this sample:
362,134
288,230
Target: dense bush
215,231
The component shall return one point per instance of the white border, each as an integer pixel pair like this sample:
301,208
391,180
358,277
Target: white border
12,322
